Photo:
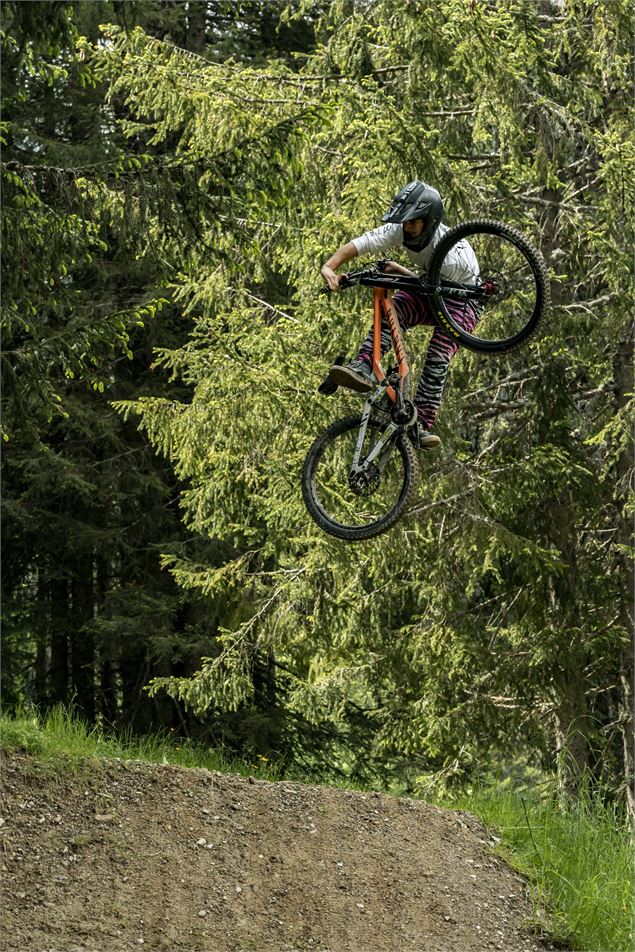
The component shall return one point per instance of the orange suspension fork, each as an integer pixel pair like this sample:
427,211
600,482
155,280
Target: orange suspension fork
383,307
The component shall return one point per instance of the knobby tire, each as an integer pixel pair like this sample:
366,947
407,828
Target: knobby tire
538,269
403,446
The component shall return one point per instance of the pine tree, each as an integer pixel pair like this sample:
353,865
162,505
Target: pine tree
488,621
497,617
90,614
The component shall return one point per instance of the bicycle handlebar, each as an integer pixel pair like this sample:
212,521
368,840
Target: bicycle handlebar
372,276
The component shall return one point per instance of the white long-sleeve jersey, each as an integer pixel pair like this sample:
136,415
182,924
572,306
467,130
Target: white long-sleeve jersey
460,263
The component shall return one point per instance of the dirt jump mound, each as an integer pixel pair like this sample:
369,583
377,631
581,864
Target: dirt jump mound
122,856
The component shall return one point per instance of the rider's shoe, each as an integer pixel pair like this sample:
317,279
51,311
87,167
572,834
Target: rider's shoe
355,375
423,439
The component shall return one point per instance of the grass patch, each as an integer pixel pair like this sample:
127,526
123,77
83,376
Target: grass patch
579,860
60,738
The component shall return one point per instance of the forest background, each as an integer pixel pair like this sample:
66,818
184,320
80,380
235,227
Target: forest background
171,185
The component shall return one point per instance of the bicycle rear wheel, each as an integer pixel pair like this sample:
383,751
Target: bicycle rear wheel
356,510
512,281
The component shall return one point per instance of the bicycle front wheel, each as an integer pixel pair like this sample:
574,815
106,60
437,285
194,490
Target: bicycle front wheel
352,508
512,283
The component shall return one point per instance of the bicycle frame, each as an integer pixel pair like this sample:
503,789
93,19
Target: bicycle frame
383,308
383,285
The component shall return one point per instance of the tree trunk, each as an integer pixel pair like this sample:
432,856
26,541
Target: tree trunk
108,707
572,724
572,727
267,734
134,672
108,692
623,383
42,611
196,26
572,721
82,640
59,642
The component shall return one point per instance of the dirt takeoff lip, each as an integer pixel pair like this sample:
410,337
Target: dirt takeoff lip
115,856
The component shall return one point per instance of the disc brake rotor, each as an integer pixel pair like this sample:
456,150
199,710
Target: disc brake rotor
366,483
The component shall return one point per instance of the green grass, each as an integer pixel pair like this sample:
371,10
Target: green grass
60,738
579,859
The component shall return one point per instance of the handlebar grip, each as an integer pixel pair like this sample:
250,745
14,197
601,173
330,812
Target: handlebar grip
344,283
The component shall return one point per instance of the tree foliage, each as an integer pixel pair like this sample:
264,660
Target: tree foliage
499,614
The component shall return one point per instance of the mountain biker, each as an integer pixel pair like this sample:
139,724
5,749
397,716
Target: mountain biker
413,222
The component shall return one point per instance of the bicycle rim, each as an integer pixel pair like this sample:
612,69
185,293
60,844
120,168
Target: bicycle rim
340,509
512,282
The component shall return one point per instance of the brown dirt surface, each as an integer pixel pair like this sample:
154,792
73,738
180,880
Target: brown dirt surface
121,856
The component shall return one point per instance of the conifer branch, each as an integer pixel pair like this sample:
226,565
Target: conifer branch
158,163
485,157
265,304
276,77
449,113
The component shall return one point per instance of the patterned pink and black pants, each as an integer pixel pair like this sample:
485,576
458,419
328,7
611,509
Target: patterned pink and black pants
413,310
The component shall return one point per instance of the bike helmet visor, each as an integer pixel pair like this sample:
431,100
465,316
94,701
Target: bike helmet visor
417,200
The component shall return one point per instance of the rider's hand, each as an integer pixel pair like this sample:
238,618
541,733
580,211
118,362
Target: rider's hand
391,267
332,279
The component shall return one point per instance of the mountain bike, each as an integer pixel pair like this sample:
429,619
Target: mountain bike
361,473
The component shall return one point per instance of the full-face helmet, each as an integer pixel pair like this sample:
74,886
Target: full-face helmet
417,200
